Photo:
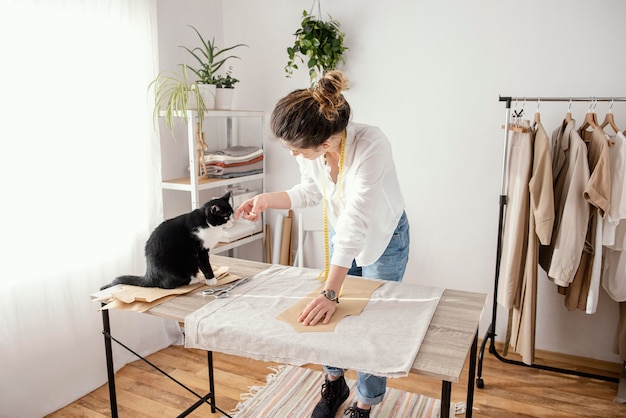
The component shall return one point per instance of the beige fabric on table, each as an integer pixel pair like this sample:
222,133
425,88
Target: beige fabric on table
570,170
515,235
383,340
541,221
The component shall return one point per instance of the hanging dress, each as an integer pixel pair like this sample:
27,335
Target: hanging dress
515,235
540,224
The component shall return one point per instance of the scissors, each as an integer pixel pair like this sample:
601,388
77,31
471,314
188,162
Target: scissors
223,291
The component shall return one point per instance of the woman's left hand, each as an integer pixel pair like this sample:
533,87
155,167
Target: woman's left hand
316,310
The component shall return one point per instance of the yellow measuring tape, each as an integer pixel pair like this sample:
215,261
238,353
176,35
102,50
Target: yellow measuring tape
324,275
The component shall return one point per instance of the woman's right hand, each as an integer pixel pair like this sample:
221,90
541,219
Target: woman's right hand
251,209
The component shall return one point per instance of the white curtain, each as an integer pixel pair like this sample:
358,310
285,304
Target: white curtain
79,166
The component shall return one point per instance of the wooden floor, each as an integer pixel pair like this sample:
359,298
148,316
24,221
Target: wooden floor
510,390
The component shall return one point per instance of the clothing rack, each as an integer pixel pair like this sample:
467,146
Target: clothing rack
491,331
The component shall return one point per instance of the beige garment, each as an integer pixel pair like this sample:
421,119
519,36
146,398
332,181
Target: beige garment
617,210
586,283
515,235
613,278
541,221
570,170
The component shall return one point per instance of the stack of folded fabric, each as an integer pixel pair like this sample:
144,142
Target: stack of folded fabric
235,161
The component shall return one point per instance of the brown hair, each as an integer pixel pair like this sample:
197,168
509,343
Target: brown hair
307,117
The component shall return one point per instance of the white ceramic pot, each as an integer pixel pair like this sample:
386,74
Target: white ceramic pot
207,91
224,98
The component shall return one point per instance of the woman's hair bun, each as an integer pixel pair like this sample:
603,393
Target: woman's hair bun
327,93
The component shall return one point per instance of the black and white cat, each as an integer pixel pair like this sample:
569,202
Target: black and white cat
178,249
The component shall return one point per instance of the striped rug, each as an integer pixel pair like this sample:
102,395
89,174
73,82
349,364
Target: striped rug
292,392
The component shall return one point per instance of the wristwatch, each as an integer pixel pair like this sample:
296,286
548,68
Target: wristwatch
330,295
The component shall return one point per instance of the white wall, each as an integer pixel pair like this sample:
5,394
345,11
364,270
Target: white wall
429,73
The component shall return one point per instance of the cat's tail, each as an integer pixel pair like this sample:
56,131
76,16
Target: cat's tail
133,280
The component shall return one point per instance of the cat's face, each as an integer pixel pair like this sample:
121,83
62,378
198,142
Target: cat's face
219,212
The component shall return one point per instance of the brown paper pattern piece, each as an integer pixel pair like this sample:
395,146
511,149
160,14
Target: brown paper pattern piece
354,297
141,299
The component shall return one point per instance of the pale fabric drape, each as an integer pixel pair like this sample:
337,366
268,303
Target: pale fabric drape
80,185
515,235
397,314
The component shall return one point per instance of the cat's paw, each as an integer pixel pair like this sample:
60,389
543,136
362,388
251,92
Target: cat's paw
211,282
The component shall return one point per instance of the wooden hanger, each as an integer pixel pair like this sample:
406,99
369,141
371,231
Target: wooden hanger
609,120
591,119
517,124
517,128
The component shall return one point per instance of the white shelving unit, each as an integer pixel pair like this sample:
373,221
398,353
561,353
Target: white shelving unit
194,184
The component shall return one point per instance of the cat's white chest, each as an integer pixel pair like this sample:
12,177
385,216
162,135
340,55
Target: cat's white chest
209,236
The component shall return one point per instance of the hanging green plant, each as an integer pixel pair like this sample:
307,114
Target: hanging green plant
320,43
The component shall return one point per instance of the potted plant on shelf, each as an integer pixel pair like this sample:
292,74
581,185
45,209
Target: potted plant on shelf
210,59
225,87
175,95
321,42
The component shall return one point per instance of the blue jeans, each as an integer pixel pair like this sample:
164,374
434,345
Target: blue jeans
390,266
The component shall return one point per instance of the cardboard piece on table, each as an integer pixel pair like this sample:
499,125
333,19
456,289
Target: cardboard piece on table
354,297
268,247
285,242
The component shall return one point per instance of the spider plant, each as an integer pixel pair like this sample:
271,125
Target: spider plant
175,95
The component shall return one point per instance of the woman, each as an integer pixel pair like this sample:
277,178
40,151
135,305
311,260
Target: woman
349,168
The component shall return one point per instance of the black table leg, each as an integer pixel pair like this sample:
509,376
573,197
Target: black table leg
106,331
471,379
446,389
211,381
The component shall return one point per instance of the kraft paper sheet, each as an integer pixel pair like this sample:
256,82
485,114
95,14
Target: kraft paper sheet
141,299
354,297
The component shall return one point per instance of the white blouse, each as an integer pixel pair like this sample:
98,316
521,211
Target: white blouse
371,200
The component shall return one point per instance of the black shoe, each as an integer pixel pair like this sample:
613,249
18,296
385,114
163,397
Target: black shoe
334,393
356,412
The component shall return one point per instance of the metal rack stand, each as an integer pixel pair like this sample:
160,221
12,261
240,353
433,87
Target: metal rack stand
490,335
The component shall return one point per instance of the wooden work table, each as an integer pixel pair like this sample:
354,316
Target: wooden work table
451,335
